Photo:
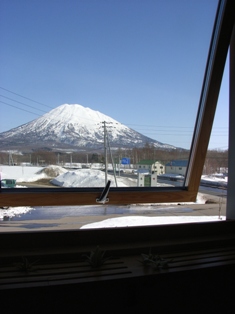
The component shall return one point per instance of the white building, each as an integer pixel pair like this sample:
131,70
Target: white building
151,166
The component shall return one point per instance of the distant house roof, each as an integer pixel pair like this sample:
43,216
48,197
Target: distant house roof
178,163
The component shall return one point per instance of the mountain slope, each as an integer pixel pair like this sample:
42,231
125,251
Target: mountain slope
74,126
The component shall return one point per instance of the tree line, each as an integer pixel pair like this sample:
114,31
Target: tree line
216,160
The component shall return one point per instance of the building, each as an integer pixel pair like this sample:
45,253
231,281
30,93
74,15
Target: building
151,166
145,179
177,167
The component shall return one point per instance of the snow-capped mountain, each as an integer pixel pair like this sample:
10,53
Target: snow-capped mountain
74,126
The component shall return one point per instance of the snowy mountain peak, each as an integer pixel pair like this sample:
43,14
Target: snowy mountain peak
74,126
76,114
67,115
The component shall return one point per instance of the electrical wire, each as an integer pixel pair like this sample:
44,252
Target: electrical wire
19,108
23,104
146,130
26,98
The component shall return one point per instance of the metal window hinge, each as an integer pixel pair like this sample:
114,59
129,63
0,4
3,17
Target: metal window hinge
103,197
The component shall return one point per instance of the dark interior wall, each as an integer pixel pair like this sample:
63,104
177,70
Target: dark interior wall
201,291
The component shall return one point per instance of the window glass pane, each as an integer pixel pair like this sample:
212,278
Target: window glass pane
94,75
111,85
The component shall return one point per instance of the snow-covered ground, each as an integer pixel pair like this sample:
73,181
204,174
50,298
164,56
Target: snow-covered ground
216,179
29,174
147,221
92,178
9,213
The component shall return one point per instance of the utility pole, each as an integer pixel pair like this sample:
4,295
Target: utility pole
106,143
105,152
10,161
71,160
114,166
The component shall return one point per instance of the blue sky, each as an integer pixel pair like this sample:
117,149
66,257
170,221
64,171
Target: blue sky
140,62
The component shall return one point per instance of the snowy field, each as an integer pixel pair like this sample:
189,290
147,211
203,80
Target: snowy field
62,177
133,215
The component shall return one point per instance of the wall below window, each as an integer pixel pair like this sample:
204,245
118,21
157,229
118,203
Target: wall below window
200,276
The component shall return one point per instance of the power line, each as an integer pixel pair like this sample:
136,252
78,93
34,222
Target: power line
151,133
22,103
169,127
127,124
147,130
20,108
26,98
162,126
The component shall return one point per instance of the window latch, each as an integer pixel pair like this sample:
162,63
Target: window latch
103,197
